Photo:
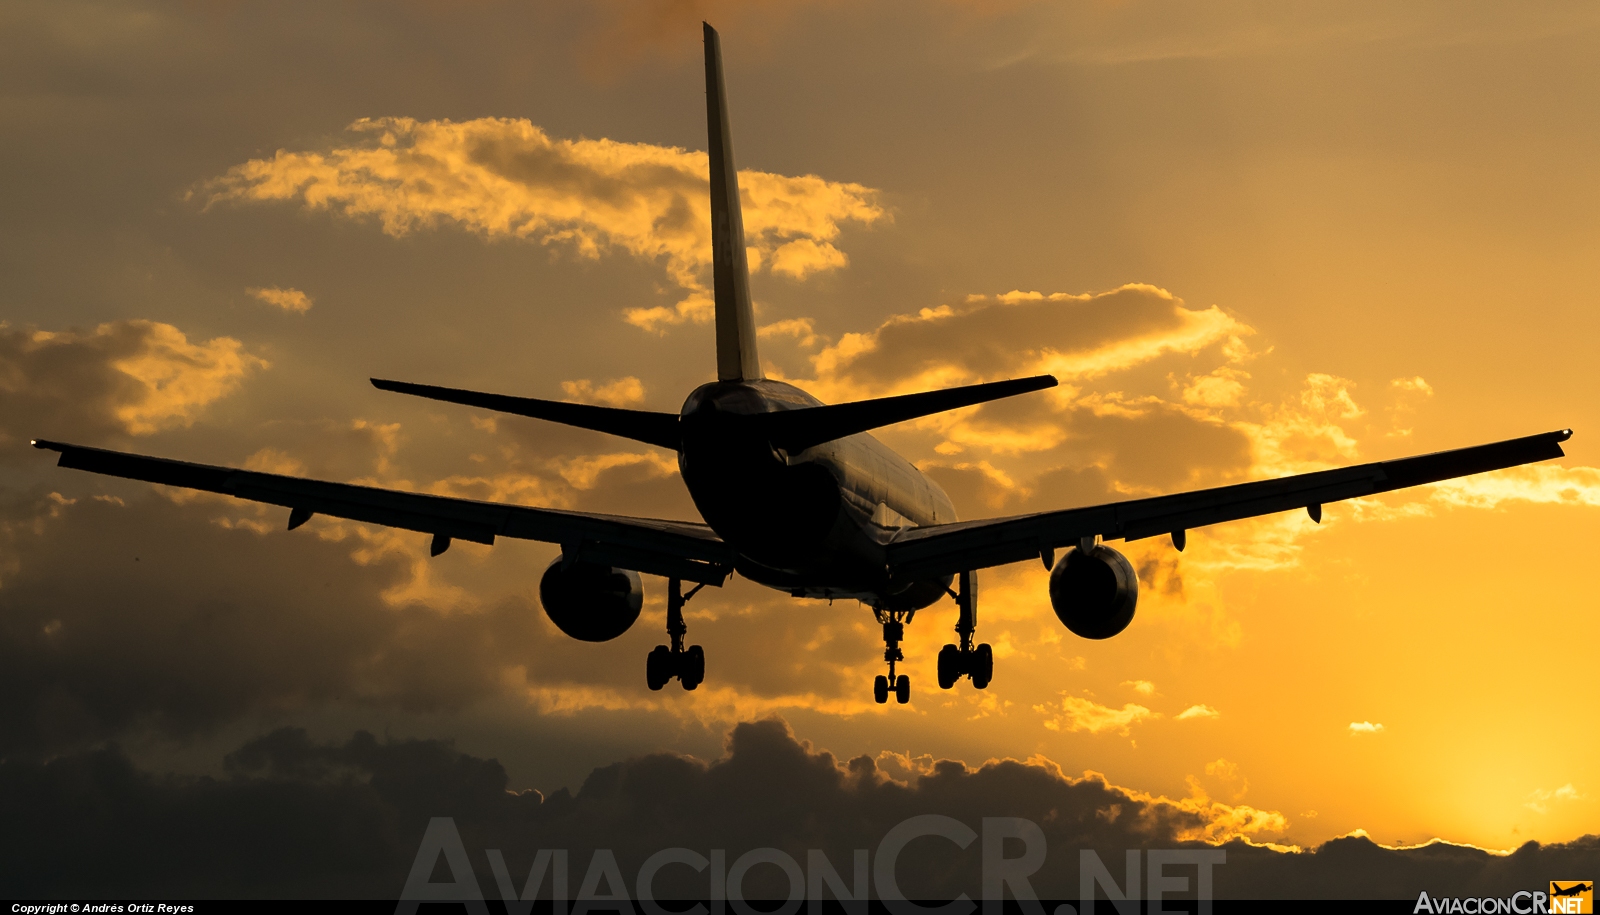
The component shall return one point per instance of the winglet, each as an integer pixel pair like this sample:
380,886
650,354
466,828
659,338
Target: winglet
736,323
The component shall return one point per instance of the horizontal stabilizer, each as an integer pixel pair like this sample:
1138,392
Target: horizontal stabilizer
640,425
797,430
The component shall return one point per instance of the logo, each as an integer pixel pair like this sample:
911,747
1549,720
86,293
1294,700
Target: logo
1571,897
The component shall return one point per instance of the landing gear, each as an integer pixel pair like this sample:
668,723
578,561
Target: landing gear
965,660
894,630
664,662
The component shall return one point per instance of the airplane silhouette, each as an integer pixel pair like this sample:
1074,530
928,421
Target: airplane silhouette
795,495
1577,889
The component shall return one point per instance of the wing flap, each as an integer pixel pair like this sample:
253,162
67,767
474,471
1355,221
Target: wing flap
677,549
951,548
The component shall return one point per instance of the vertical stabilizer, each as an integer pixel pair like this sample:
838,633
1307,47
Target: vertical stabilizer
736,324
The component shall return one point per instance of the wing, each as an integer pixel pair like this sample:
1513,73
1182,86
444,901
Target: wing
676,549
950,548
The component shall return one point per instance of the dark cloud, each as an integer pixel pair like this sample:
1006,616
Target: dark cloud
123,619
1161,448
1066,487
1100,457
295,818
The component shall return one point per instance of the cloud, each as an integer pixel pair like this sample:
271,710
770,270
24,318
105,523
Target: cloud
1074,337
151,617
1306,432
803,330
345,819
1222,387
1080,714
1537,483
1540,798
287,299
1082,442
507,178
1198,711
122,378
1364,727
1142,687
619,392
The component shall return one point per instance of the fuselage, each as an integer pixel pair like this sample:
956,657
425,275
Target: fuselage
814,523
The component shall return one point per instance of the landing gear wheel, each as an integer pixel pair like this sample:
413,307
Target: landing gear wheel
692,669
880,689
949,666
902,689
982,666
658,667
666,662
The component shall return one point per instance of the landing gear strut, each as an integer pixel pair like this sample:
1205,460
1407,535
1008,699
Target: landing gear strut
894,630
664,663
964,660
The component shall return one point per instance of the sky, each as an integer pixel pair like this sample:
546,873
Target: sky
1250,239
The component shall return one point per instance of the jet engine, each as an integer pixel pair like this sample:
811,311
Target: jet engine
1094,593
589,601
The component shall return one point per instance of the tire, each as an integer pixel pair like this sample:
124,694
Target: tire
658,667
880,689
902,689
983,666
949,666
694,667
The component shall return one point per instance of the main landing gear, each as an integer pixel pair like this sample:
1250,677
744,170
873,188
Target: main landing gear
664,663
894,630
957,661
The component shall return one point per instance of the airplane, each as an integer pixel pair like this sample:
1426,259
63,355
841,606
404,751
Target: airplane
796,495
1577,889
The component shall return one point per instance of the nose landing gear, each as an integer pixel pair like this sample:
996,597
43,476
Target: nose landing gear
664,663
965,660
894,631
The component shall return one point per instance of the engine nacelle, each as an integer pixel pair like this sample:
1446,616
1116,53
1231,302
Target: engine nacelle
591,602
1094,593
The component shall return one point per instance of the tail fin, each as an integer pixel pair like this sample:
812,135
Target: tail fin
736,324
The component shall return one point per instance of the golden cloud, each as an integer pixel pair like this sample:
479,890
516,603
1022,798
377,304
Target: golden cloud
1080,714
619,392
1196,818
1074,337
503,177
1539,799
1539,483
124,377
177,377
287,299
